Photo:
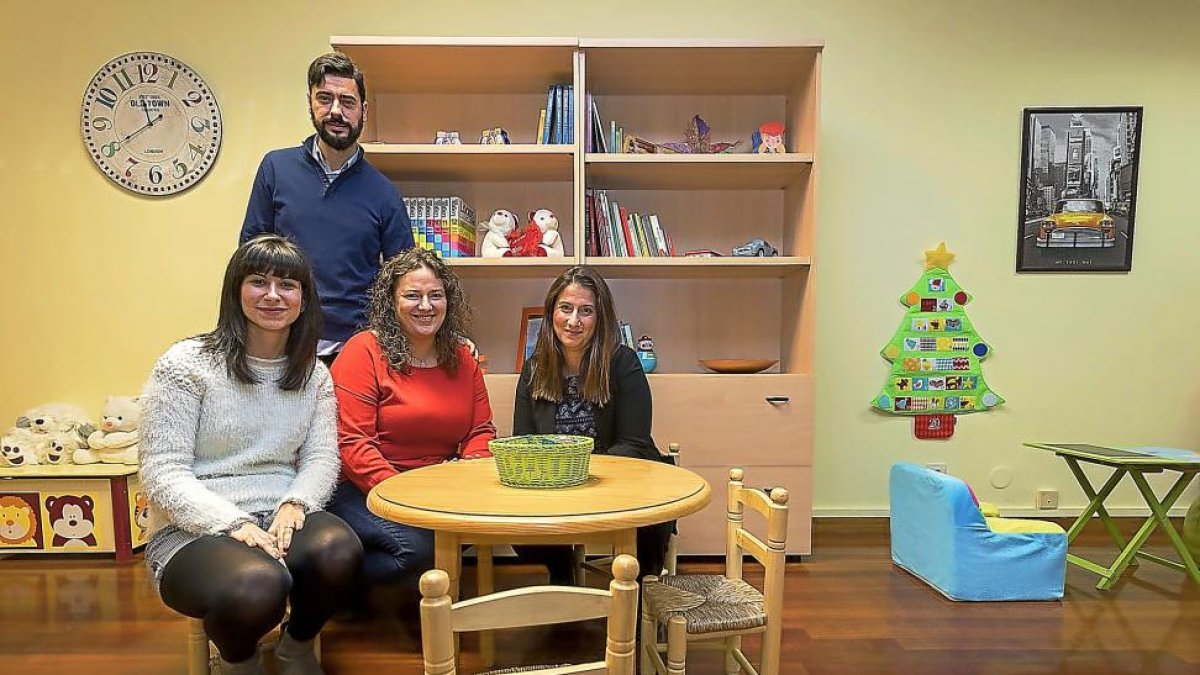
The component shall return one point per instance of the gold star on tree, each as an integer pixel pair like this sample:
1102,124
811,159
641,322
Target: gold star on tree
938,257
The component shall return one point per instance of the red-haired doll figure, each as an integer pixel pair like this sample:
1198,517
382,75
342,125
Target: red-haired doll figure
772,138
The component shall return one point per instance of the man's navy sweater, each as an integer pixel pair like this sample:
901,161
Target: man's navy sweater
346,227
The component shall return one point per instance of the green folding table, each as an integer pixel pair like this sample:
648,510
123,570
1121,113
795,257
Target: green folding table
1136,465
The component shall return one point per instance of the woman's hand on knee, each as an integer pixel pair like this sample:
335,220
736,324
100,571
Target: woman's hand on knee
288,519
255,537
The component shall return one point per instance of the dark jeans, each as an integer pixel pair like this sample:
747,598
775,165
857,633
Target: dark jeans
392,553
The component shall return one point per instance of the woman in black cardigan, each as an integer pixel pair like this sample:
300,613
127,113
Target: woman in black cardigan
581,380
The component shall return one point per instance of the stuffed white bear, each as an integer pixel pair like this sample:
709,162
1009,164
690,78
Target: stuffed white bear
115,442
56,418
495,243
22,447
547,222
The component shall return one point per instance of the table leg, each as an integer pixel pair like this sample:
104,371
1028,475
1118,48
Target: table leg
447,556
1096,505
625,541
118,489
1160,517
485,584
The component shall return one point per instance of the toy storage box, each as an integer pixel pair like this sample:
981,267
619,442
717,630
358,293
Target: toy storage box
95,508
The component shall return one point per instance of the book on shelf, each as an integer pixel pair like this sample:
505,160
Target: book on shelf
569,117
549,127
627,334
541,128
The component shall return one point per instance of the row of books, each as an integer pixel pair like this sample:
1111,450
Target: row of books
445,225
597,138
556,122
613,231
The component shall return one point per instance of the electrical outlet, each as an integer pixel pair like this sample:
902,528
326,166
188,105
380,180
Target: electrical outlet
939,467
1047,499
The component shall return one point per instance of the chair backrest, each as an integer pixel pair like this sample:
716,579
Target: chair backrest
533,606
772,553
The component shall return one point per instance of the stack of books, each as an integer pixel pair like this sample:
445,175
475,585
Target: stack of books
556,122
444,225
613,231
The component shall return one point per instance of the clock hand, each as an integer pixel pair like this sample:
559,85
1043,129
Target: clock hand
146,110
141,129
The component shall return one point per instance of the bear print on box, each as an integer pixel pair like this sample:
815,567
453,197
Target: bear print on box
73,521
19,517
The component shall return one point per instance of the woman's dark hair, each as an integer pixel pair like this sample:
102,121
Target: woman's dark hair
385,324
273,255
549,362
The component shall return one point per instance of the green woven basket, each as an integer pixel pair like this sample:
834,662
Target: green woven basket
542,461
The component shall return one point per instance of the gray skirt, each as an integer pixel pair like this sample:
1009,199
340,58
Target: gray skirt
168,541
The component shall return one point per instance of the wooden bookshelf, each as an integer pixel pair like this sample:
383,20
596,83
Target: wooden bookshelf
695,307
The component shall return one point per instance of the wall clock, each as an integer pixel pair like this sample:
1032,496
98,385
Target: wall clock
151,123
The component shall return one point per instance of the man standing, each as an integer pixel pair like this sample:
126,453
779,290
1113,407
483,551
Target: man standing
325,196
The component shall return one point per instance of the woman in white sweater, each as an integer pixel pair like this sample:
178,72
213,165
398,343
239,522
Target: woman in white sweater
238,456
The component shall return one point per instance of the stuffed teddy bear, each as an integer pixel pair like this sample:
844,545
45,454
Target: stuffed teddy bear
22,447
57,419
547,224
498,227
115,442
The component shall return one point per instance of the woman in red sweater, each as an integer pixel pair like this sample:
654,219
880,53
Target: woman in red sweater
410,394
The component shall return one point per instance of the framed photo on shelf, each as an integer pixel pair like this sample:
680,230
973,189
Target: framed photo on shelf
1079,173
531,323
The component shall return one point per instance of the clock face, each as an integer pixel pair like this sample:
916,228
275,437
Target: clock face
150,123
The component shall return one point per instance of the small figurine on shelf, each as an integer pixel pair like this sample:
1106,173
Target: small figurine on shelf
498,227
646,354
497,136
447,138
697,140
768,139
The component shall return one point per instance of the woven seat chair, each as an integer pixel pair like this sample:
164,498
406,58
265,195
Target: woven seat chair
717,610
442,619
202,655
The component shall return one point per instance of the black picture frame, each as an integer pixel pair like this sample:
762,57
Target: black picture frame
1073,161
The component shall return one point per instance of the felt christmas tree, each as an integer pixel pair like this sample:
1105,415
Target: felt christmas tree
936,355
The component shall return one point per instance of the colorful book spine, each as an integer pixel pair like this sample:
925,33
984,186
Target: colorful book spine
541,126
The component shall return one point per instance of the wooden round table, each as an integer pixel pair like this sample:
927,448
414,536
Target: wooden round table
465,503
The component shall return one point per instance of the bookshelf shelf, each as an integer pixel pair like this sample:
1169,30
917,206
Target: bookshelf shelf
677,171
472,162
700,268
510,268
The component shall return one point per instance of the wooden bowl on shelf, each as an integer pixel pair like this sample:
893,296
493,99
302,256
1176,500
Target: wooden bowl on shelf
738,366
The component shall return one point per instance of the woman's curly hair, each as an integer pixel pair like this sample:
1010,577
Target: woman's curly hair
385,324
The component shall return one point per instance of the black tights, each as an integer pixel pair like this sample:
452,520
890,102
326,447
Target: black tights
241,592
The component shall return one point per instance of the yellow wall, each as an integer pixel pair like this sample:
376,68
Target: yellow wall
920,143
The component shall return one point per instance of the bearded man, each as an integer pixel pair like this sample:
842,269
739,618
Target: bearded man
327,198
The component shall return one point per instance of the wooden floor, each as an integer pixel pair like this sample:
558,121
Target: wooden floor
848,611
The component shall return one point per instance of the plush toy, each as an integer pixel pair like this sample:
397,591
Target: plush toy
116,440
22,447
547,224
498,227
525,242
63,421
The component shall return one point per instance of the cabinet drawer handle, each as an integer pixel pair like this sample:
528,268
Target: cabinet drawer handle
778,400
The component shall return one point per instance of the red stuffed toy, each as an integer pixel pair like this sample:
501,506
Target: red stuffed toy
525,242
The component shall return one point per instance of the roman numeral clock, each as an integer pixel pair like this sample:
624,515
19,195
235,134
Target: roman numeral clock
151,123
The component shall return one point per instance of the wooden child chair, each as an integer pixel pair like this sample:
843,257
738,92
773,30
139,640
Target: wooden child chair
717,610
442,619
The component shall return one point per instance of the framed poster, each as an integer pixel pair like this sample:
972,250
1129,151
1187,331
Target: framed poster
531,323
1079,170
